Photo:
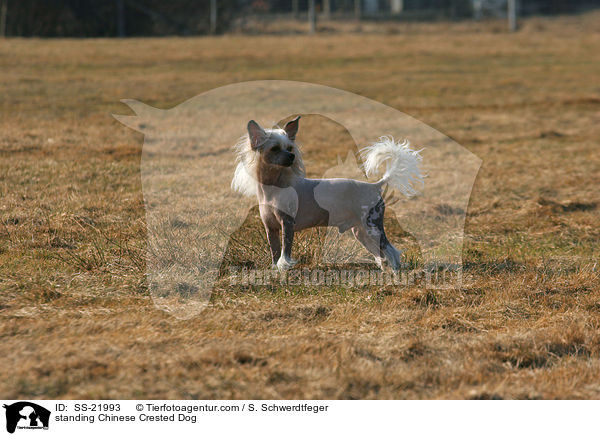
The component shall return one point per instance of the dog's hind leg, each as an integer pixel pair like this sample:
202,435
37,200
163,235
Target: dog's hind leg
392,254
372,236
377,243
370,243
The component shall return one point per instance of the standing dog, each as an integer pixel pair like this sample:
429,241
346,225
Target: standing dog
270,166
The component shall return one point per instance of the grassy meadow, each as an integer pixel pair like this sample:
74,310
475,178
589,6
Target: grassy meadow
76,316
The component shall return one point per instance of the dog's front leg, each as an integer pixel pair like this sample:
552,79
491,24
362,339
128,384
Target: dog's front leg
286,262
273,236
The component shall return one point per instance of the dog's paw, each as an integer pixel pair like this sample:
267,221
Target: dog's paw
284,264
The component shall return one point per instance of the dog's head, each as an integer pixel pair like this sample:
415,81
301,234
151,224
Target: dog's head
277,147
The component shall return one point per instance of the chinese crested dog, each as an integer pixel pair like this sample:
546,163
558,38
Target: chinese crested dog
270,166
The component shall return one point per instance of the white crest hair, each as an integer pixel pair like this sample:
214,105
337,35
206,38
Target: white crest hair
402,164
245,176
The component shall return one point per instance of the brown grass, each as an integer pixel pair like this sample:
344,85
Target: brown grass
76,317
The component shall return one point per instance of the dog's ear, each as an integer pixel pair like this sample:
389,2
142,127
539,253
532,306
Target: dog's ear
291,128
256,133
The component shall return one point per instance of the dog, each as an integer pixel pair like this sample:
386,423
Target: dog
270,166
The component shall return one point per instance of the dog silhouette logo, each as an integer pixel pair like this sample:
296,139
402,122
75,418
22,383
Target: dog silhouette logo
199,187
26,415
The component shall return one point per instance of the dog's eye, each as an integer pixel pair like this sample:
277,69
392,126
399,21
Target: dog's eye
276,148
290,148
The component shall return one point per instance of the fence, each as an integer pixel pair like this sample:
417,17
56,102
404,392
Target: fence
105,18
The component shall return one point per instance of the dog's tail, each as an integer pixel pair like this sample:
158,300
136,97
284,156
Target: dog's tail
402,164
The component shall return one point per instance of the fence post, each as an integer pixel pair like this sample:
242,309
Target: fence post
120,18
295,8
3,11
357,9
213,17
512,15
327,9
312,16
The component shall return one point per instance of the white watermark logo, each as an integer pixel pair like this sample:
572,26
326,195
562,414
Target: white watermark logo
195,219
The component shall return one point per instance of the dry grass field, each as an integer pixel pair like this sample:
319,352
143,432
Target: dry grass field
76,317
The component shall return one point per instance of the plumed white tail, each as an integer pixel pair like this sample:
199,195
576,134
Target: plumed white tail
402,165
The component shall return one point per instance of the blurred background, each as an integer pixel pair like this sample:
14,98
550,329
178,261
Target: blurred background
122,18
